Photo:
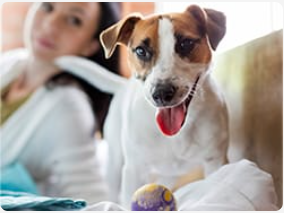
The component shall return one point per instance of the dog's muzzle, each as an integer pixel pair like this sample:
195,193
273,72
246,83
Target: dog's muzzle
169,118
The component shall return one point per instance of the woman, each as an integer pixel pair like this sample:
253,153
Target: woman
47,118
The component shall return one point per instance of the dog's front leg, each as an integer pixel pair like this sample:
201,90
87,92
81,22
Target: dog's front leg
216,155
133,177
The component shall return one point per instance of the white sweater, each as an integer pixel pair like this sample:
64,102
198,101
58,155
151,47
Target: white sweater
52,136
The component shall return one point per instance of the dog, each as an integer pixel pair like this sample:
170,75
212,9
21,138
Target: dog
170,117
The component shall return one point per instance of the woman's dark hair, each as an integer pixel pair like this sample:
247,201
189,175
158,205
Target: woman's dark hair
110,14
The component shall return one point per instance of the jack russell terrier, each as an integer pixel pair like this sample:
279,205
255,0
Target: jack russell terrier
170,116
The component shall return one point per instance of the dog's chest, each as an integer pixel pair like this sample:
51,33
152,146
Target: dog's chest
146,144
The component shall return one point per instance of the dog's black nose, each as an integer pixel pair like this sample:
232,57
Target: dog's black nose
163,94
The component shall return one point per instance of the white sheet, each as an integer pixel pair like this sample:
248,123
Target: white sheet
238,186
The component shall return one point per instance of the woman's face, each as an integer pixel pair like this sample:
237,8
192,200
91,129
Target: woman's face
64,28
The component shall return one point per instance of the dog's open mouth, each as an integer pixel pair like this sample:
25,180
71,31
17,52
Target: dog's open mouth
171,119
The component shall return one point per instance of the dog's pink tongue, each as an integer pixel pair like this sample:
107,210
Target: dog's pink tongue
170,120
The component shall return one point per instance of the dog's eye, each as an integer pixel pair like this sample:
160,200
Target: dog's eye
140,51
184,45
143,54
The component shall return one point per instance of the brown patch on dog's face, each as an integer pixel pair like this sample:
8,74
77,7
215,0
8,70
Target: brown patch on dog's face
188,31
143,47
185,29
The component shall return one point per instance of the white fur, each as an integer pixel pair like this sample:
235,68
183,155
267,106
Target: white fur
163,67
166,45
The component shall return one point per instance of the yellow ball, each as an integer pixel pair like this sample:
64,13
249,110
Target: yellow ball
153,197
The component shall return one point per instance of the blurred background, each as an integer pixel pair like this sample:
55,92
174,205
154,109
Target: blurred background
245,20
249,69
13,16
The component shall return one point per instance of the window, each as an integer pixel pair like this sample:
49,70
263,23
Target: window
245,20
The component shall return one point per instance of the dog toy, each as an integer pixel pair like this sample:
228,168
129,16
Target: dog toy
153,197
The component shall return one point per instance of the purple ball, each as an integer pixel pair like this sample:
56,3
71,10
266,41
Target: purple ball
153,197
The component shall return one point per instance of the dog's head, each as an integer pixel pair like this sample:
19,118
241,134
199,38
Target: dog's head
168,53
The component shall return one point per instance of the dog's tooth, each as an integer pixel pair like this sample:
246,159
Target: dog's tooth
184,107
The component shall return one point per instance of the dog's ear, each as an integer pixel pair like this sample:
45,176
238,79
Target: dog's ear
215,26
118,33
214,22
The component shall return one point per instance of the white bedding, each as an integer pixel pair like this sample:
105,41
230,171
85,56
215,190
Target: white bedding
238,186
